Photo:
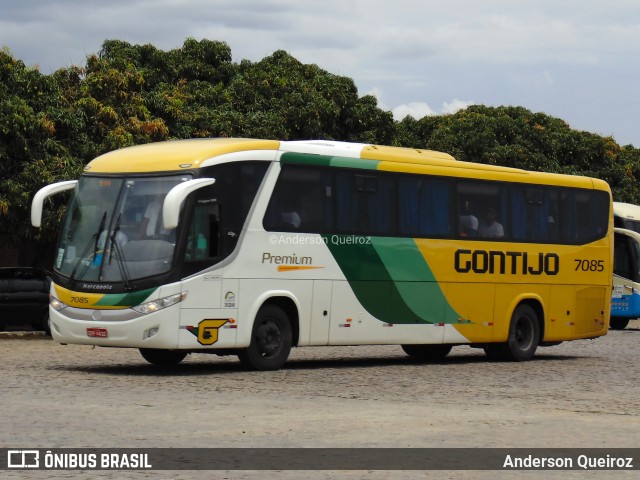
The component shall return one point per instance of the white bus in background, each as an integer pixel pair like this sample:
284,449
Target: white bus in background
625,300
626,215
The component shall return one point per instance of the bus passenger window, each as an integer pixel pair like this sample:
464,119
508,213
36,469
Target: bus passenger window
364,203
467,222
534,214
621,257
489,226
203,241
424,206
301,201
482,208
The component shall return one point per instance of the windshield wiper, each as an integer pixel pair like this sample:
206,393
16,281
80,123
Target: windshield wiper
94,239
116,251
113,245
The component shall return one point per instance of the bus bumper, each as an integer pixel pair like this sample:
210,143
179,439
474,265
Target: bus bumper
155,330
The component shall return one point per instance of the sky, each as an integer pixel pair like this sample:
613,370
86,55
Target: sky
578,60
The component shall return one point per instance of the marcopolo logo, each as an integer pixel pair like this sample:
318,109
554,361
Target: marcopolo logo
506,263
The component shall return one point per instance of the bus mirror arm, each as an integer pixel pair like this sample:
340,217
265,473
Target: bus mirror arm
39,198
176,196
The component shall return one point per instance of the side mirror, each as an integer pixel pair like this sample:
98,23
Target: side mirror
42,194
176,196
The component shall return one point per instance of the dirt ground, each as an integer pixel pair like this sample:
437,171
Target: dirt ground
582,394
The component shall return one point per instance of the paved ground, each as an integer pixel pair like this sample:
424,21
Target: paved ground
578,394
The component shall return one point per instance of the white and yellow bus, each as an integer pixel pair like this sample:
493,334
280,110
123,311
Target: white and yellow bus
251,247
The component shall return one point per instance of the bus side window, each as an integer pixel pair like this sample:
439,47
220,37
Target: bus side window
635,260
301,201
424,206
365,203
621,257
203,241
482,208
585,215
534,214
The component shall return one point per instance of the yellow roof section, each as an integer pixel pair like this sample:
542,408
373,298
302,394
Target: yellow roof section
403,155
173,155
180,155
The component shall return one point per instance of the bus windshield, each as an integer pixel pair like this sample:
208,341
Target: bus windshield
113,230
631,224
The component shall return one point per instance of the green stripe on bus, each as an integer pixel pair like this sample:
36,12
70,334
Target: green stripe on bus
125,299
414,280
391,280
326,161
305,159
345,162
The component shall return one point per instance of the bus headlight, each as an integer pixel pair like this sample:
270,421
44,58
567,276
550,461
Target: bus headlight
159,304
56,304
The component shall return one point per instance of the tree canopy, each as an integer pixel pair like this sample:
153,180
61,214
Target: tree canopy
52,125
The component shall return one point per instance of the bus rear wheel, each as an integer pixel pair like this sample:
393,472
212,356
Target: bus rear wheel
271,340
427,352
618,323
162,358
523,340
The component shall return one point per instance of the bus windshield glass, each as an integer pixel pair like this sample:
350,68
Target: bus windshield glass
113,230
631,224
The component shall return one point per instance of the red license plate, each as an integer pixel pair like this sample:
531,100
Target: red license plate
97,332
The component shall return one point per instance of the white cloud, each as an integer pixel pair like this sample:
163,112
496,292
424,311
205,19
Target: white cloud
416,110
421,109
455,105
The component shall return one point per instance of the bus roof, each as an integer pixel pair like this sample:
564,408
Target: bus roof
626,210
192,153
173,155
177,155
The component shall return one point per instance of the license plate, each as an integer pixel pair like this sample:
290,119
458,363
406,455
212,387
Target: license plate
97,332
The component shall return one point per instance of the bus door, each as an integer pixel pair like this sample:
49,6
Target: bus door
320,312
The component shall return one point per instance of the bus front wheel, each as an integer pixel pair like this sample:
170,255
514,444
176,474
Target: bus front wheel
618,323
523,340
427,352
271,340
162,358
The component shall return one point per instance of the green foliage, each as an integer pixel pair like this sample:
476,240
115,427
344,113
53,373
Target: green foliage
52,125
282,98
31,154
516,137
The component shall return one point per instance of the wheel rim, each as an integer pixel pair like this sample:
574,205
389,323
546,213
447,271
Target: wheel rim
524,333
269,339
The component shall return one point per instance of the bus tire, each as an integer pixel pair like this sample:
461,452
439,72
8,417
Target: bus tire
427,352
271,340
618,323
523,339
161,357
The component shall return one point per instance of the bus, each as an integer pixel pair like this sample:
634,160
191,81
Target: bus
251,247
627,216
625,297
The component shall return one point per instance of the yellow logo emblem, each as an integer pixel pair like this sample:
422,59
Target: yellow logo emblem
208,331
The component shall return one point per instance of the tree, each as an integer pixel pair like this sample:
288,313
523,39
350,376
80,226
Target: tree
31,154
52,125
279,97
516,137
